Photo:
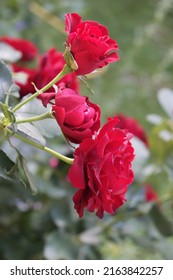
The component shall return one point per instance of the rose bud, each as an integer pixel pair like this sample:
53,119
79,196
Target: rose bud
77,117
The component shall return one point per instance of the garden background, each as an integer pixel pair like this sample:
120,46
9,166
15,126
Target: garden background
45,225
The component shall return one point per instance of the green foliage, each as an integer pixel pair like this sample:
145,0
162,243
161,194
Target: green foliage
7,167
45,225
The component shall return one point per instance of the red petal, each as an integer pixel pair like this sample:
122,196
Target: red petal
72,21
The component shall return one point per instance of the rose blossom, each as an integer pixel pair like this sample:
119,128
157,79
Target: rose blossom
89,43
132,126
50,64
102,170
27,48
77,117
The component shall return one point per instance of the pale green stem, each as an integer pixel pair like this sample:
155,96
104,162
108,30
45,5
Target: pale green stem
66,70
43,148
46,149
36,118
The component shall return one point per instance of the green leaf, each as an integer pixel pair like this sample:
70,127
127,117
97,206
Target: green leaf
163,225
9,54
10,171
5,80
47,127
30,132
8,115
28,175
15,171
14,91
6,167
31,109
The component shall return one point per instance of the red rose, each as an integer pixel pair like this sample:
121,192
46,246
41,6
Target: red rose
102,170
89,44
27,48
132,126
50,64
77,117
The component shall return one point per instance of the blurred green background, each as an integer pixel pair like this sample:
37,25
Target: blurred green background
45,226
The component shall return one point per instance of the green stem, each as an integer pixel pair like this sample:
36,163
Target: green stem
36,118
43,148
46,149
66,70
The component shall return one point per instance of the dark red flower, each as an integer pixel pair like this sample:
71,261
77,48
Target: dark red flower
102,170
132,126
50,65
77,117
89,43
28,49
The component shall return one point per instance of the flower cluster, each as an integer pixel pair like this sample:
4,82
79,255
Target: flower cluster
102,166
